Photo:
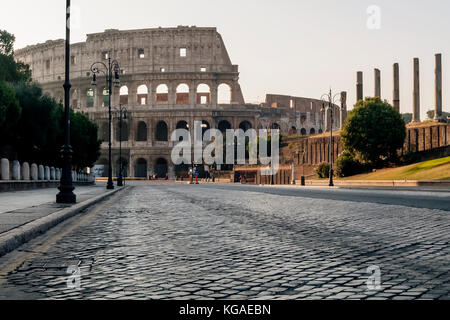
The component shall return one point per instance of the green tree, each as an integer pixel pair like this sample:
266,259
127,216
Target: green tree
84,140
10,111
374,130
10,70
430,114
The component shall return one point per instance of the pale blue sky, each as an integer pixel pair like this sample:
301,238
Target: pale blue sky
292,47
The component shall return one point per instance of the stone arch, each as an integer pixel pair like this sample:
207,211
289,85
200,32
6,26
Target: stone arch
320,131
125,131
142,95
205,127
276,126
103,163
224,125
105,95
141,168
90,98
124,95
224,93
182,125
303,131
104,131
245,125
141,132
312,131
162,93
203,94
162,131
125,165
161,167
182,94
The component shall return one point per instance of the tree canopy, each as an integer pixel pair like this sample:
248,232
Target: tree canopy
374,130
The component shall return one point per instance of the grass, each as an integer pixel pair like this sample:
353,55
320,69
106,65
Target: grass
437,169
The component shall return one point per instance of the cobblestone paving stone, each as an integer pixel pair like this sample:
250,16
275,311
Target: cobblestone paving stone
181,242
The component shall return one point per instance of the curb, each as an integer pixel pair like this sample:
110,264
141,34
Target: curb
13,239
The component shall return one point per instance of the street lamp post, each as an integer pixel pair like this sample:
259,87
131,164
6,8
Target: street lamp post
122,116
111,70
66,187
331,100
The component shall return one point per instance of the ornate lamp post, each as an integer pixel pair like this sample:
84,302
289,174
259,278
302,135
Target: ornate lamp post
66,187
331,100
122,116
111,72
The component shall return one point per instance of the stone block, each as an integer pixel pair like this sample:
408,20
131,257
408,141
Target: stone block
52,174
34,172
46,173
41,172
25,171
4,172
16,170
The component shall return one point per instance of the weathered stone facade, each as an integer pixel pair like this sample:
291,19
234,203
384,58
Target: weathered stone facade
170,77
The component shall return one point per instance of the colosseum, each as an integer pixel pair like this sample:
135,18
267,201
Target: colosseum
170,77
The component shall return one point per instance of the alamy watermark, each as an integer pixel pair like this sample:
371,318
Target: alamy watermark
231,147
74,279
374,19
374,280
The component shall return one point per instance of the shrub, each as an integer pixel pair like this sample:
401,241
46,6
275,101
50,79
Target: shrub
323,170
347,165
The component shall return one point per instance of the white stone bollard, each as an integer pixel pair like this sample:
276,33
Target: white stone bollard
34,172
74,176
25,171
52,174
41,172
57,174
4,172
46,173
16,170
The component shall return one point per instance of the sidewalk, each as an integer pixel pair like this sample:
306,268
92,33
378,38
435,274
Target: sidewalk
26,214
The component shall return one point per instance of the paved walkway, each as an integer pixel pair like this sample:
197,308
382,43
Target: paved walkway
172,241
21,207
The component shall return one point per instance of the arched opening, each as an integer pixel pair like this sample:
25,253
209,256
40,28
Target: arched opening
303,132
74,101
162,131
104,132
162,93
141,168
90,98
161,168
320,131
224,94
245,125
122,135
182,95
312,131
203,94
293,130
105,100
124,95
205,127
223,126
182,125
101,168
141,131
142,95
124,167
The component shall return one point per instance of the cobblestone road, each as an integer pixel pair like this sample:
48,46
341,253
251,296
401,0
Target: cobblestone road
225,242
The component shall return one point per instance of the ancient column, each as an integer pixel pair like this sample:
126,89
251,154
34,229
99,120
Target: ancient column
396,93
359,86
438,87
343,113
377,83
416,92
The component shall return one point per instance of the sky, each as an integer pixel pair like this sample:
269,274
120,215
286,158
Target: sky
293,47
